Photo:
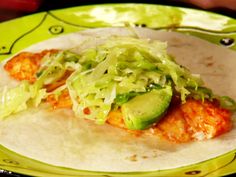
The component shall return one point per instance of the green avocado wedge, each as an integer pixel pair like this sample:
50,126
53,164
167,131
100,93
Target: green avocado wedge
139,115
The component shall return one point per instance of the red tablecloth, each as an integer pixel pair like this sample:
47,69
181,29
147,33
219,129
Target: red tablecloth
13,8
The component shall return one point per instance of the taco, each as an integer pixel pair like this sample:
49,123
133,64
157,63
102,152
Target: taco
123,97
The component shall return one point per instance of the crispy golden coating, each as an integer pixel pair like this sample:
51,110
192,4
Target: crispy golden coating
25,65
194,120
62,101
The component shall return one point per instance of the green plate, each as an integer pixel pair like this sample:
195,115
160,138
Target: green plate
18,34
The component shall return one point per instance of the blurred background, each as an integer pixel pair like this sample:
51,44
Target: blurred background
10,9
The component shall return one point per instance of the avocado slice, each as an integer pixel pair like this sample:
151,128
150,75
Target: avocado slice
143,110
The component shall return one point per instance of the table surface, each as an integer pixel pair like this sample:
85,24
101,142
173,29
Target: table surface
7,14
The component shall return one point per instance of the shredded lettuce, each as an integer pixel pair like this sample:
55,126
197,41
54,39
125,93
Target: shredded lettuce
121,68
27,95
14,99
17,99
107,76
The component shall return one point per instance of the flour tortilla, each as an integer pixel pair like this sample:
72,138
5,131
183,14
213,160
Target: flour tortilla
58,138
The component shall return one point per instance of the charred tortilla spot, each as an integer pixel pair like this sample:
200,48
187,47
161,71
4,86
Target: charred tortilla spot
144,157
133,158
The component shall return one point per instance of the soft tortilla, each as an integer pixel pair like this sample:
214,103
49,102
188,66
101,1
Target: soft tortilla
58,138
